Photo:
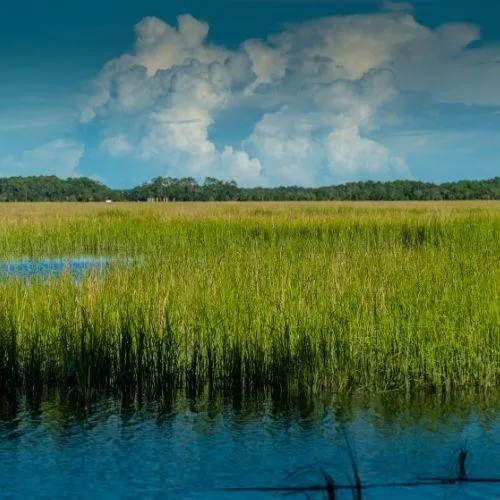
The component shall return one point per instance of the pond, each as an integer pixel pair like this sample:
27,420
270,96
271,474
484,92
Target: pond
47,267
201,449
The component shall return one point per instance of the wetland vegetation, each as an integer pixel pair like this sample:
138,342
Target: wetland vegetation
290,297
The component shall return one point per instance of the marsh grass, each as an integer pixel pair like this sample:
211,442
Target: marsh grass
240,297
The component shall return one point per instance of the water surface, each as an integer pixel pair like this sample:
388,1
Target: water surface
194,449
47,267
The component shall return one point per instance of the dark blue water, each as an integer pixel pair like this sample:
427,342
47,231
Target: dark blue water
194,450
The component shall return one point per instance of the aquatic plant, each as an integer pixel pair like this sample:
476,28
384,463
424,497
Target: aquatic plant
299,297
330,487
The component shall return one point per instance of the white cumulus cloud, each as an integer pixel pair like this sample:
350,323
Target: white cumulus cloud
321,89
349,155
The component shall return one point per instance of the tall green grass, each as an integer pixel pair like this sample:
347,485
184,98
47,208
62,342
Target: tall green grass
300,298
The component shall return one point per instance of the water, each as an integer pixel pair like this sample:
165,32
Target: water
47,267
194,449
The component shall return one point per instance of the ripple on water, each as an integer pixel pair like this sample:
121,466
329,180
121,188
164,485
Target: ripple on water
118,452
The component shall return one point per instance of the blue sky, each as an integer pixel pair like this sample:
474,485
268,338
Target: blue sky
263,92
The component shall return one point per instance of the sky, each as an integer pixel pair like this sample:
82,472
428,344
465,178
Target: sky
276,92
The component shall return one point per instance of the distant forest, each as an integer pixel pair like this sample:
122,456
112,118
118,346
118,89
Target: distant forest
51,188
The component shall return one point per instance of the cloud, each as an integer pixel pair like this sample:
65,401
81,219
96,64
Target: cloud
129,82
60,157
322,88
268,64
441,64
350,155
117,146
324,139
160,46
239,165
343,47
436,142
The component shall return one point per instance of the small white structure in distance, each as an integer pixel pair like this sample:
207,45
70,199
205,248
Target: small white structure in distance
109,201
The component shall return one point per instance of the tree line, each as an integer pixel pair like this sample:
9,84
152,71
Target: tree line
52,188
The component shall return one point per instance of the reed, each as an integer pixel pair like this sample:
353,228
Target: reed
239,297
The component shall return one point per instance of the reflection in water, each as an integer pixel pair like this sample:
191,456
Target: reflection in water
192,448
